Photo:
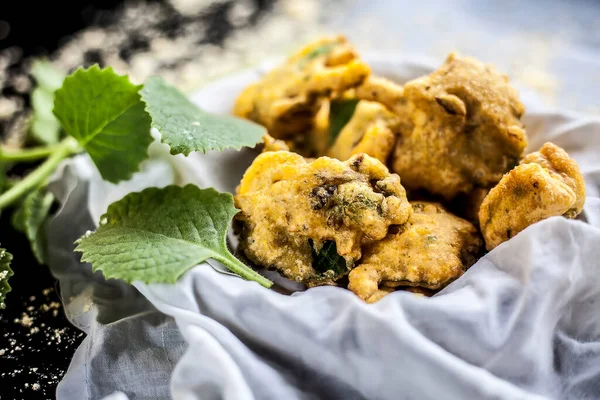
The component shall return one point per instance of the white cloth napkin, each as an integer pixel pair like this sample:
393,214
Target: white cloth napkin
522,323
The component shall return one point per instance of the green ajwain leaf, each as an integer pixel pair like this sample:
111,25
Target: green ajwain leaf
158,234
186,128
104,113
340,113
18,219
45,128
5,274
327,259
30,217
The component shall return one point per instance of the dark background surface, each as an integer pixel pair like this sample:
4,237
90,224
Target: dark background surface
41,27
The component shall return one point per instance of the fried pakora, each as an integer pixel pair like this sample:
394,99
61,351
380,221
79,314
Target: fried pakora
308,220
431,250
370,131
385,92
287,99
547,183
466,130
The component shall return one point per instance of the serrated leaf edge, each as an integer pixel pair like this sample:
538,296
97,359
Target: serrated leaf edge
10,273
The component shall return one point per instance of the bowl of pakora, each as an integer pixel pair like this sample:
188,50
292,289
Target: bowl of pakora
376,186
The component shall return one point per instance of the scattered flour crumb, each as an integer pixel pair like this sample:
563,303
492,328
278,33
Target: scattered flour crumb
26,320
58,334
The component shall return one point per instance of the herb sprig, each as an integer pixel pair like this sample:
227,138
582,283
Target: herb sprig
154,235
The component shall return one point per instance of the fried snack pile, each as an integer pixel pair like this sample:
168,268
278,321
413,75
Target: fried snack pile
297,215
340,217
466,129
547,183
431,250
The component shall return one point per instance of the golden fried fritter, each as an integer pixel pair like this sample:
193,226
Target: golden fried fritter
370,131
547,183
286,99
319,134
309,220
466,130
431,250
383,91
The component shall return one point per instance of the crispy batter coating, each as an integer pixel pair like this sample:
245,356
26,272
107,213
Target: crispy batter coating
431,250
466,130
271,144
286,99
294,213
383,91
319,134
370,131
547,183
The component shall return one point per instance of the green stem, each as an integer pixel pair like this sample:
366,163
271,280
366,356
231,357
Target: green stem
30,154
64,149
235,265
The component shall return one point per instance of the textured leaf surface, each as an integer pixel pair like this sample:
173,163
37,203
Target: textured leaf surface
104,113
187,128
30,217
328,259
158,234
5,274
45,128
340,113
